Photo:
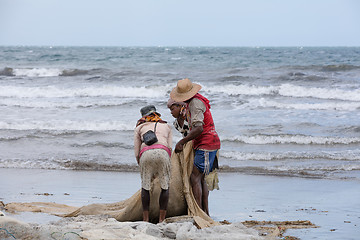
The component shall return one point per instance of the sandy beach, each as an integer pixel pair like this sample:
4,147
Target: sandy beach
332,205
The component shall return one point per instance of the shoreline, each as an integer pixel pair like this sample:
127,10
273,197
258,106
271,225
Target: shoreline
327,203
224,169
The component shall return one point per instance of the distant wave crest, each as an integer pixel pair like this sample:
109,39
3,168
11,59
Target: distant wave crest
73,72
340,67
339,106
43,72
68,125
36,72
93,91
287,90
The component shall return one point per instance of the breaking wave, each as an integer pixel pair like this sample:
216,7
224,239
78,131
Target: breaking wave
107,90
338,106
66,164
296,156
329,172
80,103
103,144
43,72
292,139
286,90
68,125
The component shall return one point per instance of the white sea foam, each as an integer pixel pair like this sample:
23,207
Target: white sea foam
316,168
287,90
300,156
292,139
234,90
68,125
37,72
30,163
323,93
338,106
61,103
94,91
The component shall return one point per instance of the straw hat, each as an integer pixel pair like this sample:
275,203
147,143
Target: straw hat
184,90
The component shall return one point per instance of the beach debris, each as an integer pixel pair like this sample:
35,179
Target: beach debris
260,210
278,228
44,207
225,222
179,219
290,238
306,209
311,210
44,194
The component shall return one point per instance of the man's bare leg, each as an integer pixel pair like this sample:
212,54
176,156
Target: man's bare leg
205,196
195,179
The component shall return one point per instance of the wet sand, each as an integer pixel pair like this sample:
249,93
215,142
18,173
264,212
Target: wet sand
332,205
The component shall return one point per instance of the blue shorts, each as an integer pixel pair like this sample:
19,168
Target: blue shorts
204,160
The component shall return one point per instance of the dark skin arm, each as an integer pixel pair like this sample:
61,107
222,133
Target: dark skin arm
194,133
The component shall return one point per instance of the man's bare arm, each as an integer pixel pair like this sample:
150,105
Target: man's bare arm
194,133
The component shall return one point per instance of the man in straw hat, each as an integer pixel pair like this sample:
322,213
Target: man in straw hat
206,142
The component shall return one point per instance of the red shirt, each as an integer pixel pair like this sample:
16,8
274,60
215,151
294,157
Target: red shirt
208,139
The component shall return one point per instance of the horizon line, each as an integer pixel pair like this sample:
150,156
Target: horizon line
179,46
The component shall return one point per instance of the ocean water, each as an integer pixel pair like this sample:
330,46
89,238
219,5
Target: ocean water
279,111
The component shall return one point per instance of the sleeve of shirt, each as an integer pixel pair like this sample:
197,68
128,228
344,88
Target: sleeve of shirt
197,109
137,142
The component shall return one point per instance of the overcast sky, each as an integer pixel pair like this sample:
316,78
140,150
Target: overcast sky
180,22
